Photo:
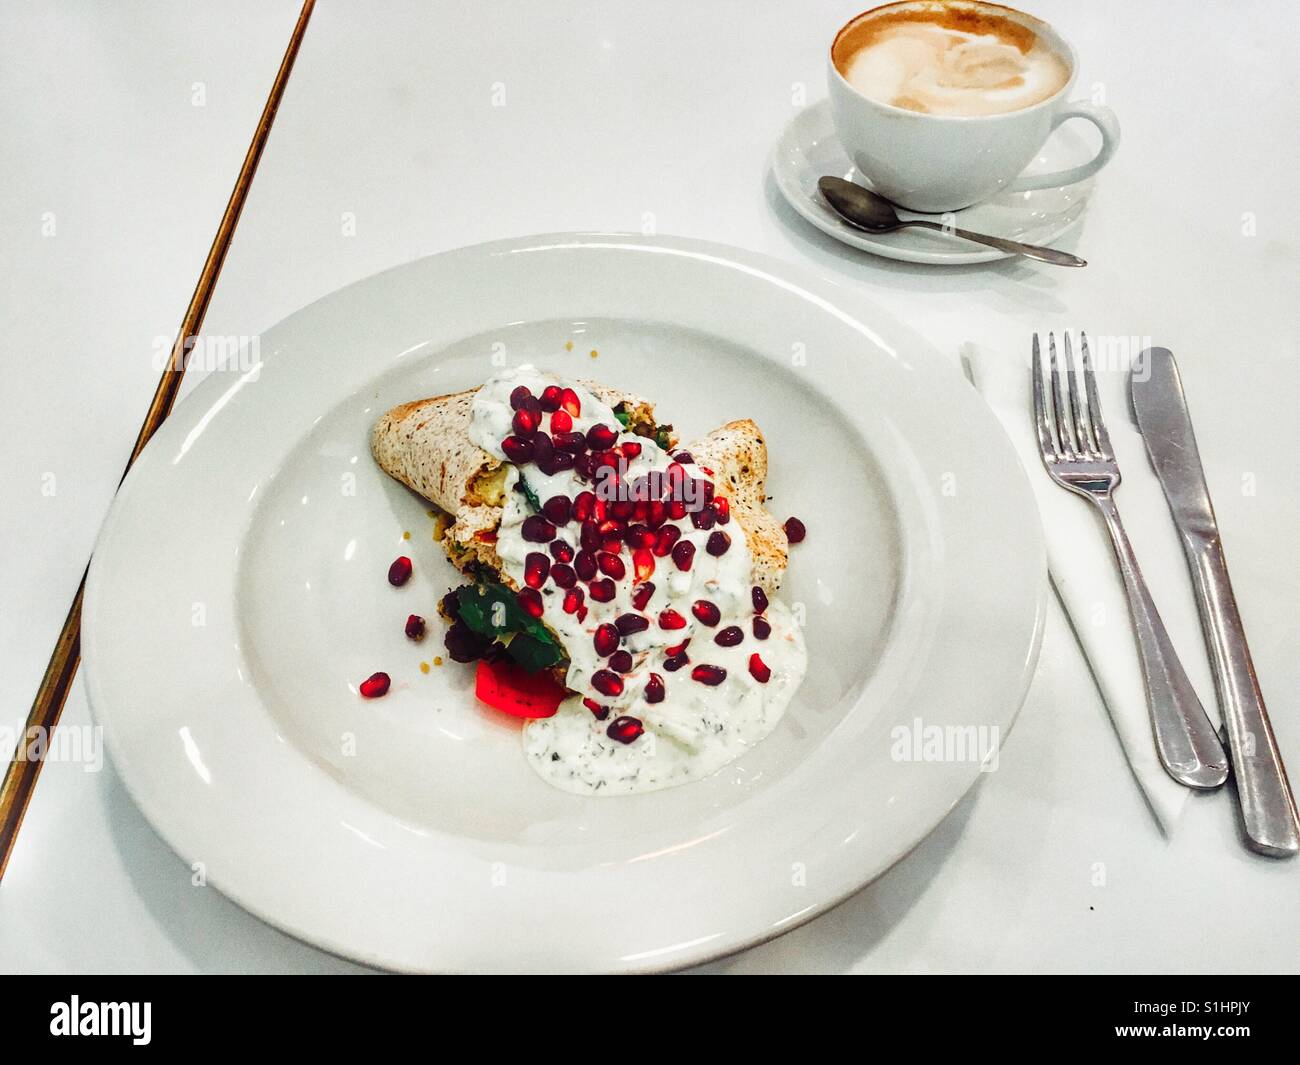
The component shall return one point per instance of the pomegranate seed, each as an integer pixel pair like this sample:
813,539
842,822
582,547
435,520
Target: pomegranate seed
605,639
602,591
677,509
706,612
585,564
399,572
521,395
685,458
531,601
375,685
795,530
622,508
643,563
710,675
544,453
569,402
624,729
630,448
549,400
677,649
589,535
665,539
705,518
611,565
670,619
675,662
762,630
601,437
722,508
517,450
525,423
641,595
537,567
601,712
640,536
729,637
563,576
656,513
630,623
607,458
562,460
654,689
561,551
607,682
759,670
584,506
718,543
558,510
415,627
561,422
621,662
760,599
573,601
612,545
584,466
683,554
537,529
572,443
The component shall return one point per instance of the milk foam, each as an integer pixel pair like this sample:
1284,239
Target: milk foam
938,70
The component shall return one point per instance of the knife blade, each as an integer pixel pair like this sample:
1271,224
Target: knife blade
1268,807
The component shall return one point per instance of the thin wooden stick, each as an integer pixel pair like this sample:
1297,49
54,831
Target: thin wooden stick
25,767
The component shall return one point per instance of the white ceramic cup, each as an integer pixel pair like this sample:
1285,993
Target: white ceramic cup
937,163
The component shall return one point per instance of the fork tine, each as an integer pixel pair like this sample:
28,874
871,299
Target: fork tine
1064,424
1090,384
1046,441
1082,418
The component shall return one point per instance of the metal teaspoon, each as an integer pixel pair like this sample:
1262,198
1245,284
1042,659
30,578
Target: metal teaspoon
864,210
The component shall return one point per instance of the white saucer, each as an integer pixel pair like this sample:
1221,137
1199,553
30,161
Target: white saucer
808,149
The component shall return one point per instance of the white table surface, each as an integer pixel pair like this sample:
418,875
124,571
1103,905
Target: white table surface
634,116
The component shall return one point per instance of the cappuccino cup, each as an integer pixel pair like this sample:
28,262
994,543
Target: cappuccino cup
943,103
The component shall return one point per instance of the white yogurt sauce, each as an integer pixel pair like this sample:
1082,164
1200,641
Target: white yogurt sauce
697,728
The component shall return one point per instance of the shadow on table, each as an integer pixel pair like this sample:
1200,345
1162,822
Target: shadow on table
214,933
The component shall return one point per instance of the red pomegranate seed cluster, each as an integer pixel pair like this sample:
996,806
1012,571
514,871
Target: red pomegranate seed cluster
624,538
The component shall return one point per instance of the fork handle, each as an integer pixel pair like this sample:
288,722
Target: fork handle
1186,741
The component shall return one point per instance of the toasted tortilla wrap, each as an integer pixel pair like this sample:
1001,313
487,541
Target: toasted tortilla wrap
426,445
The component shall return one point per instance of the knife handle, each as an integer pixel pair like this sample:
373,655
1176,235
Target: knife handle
1268,808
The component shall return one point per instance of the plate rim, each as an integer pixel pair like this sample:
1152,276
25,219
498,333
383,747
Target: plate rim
195,409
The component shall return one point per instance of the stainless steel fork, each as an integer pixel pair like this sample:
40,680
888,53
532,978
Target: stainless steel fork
1077,453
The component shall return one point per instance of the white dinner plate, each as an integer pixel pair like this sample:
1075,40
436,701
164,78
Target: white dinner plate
808,150
238,595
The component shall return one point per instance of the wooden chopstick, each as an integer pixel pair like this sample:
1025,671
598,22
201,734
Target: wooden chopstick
25,766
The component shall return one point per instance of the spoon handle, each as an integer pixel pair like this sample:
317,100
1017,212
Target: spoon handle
1029,251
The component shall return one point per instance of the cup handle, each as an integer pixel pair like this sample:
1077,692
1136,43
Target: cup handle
1101,117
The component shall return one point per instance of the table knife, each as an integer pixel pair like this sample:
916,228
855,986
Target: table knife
1268,807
